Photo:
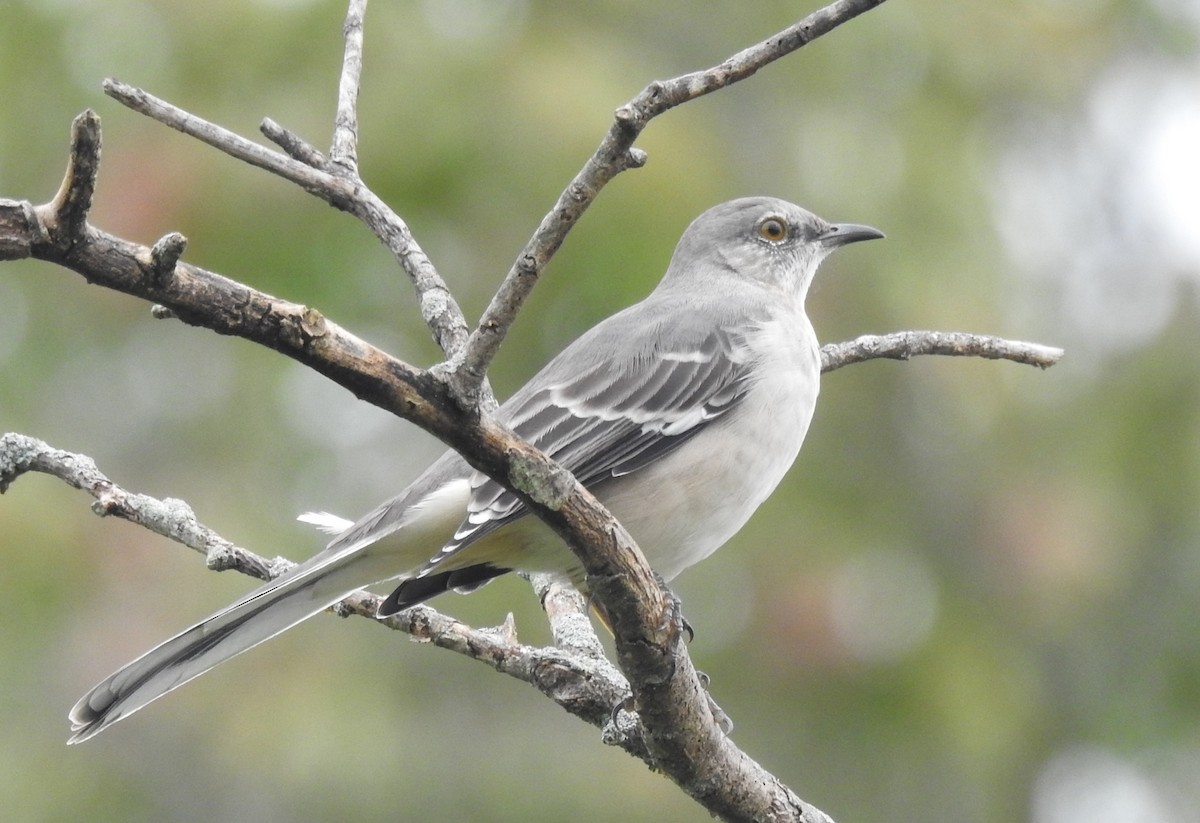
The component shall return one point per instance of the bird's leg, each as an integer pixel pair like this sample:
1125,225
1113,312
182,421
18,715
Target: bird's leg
672,618
675,625
675,616
724,721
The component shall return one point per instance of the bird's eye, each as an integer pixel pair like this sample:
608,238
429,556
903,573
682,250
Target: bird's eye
773,229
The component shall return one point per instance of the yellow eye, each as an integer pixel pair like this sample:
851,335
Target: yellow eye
773,229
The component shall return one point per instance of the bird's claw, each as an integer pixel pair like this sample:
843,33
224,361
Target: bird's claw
673,620
724,721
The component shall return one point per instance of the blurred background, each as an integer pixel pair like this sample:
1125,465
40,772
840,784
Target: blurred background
975,597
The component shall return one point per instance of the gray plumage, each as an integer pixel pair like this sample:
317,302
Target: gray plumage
681,413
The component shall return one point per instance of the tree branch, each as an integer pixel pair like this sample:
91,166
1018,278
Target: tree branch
336,185
572,673
614,155
903,345
170,518
344,151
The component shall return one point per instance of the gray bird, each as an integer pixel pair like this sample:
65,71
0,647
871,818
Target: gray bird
681,414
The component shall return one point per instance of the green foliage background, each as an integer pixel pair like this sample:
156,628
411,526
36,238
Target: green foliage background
974,599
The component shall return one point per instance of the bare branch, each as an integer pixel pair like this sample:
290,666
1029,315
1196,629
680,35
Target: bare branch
906,344
586,687
616,154
348,193
344,150
567,611
296,147
225,140
170,518
581,681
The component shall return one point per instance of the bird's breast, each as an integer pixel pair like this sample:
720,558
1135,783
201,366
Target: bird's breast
684,507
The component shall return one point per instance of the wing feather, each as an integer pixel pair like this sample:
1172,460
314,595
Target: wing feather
609,420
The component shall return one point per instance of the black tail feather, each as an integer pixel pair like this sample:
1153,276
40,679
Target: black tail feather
419,589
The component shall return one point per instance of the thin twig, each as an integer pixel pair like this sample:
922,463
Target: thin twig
344,150
335,189
170,518
567,612
438,306
906,344
296,147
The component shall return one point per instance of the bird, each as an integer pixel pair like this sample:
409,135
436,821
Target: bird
681,413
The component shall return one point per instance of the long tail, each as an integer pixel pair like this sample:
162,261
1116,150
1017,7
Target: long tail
275,607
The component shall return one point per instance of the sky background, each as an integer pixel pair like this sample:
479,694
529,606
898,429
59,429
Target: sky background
974,598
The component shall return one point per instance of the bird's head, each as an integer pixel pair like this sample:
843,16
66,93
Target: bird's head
761,240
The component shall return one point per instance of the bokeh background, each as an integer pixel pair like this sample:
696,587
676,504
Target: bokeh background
975,599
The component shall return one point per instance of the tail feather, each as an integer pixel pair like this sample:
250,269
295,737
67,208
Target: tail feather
262,614
392,541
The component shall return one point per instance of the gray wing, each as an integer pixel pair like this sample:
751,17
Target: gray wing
610,418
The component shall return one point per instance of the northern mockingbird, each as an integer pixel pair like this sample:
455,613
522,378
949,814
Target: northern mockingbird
681,413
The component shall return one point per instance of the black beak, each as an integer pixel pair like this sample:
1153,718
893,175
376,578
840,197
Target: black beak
841,234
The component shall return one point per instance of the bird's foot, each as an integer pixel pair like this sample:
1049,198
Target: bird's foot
673,619
724,721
